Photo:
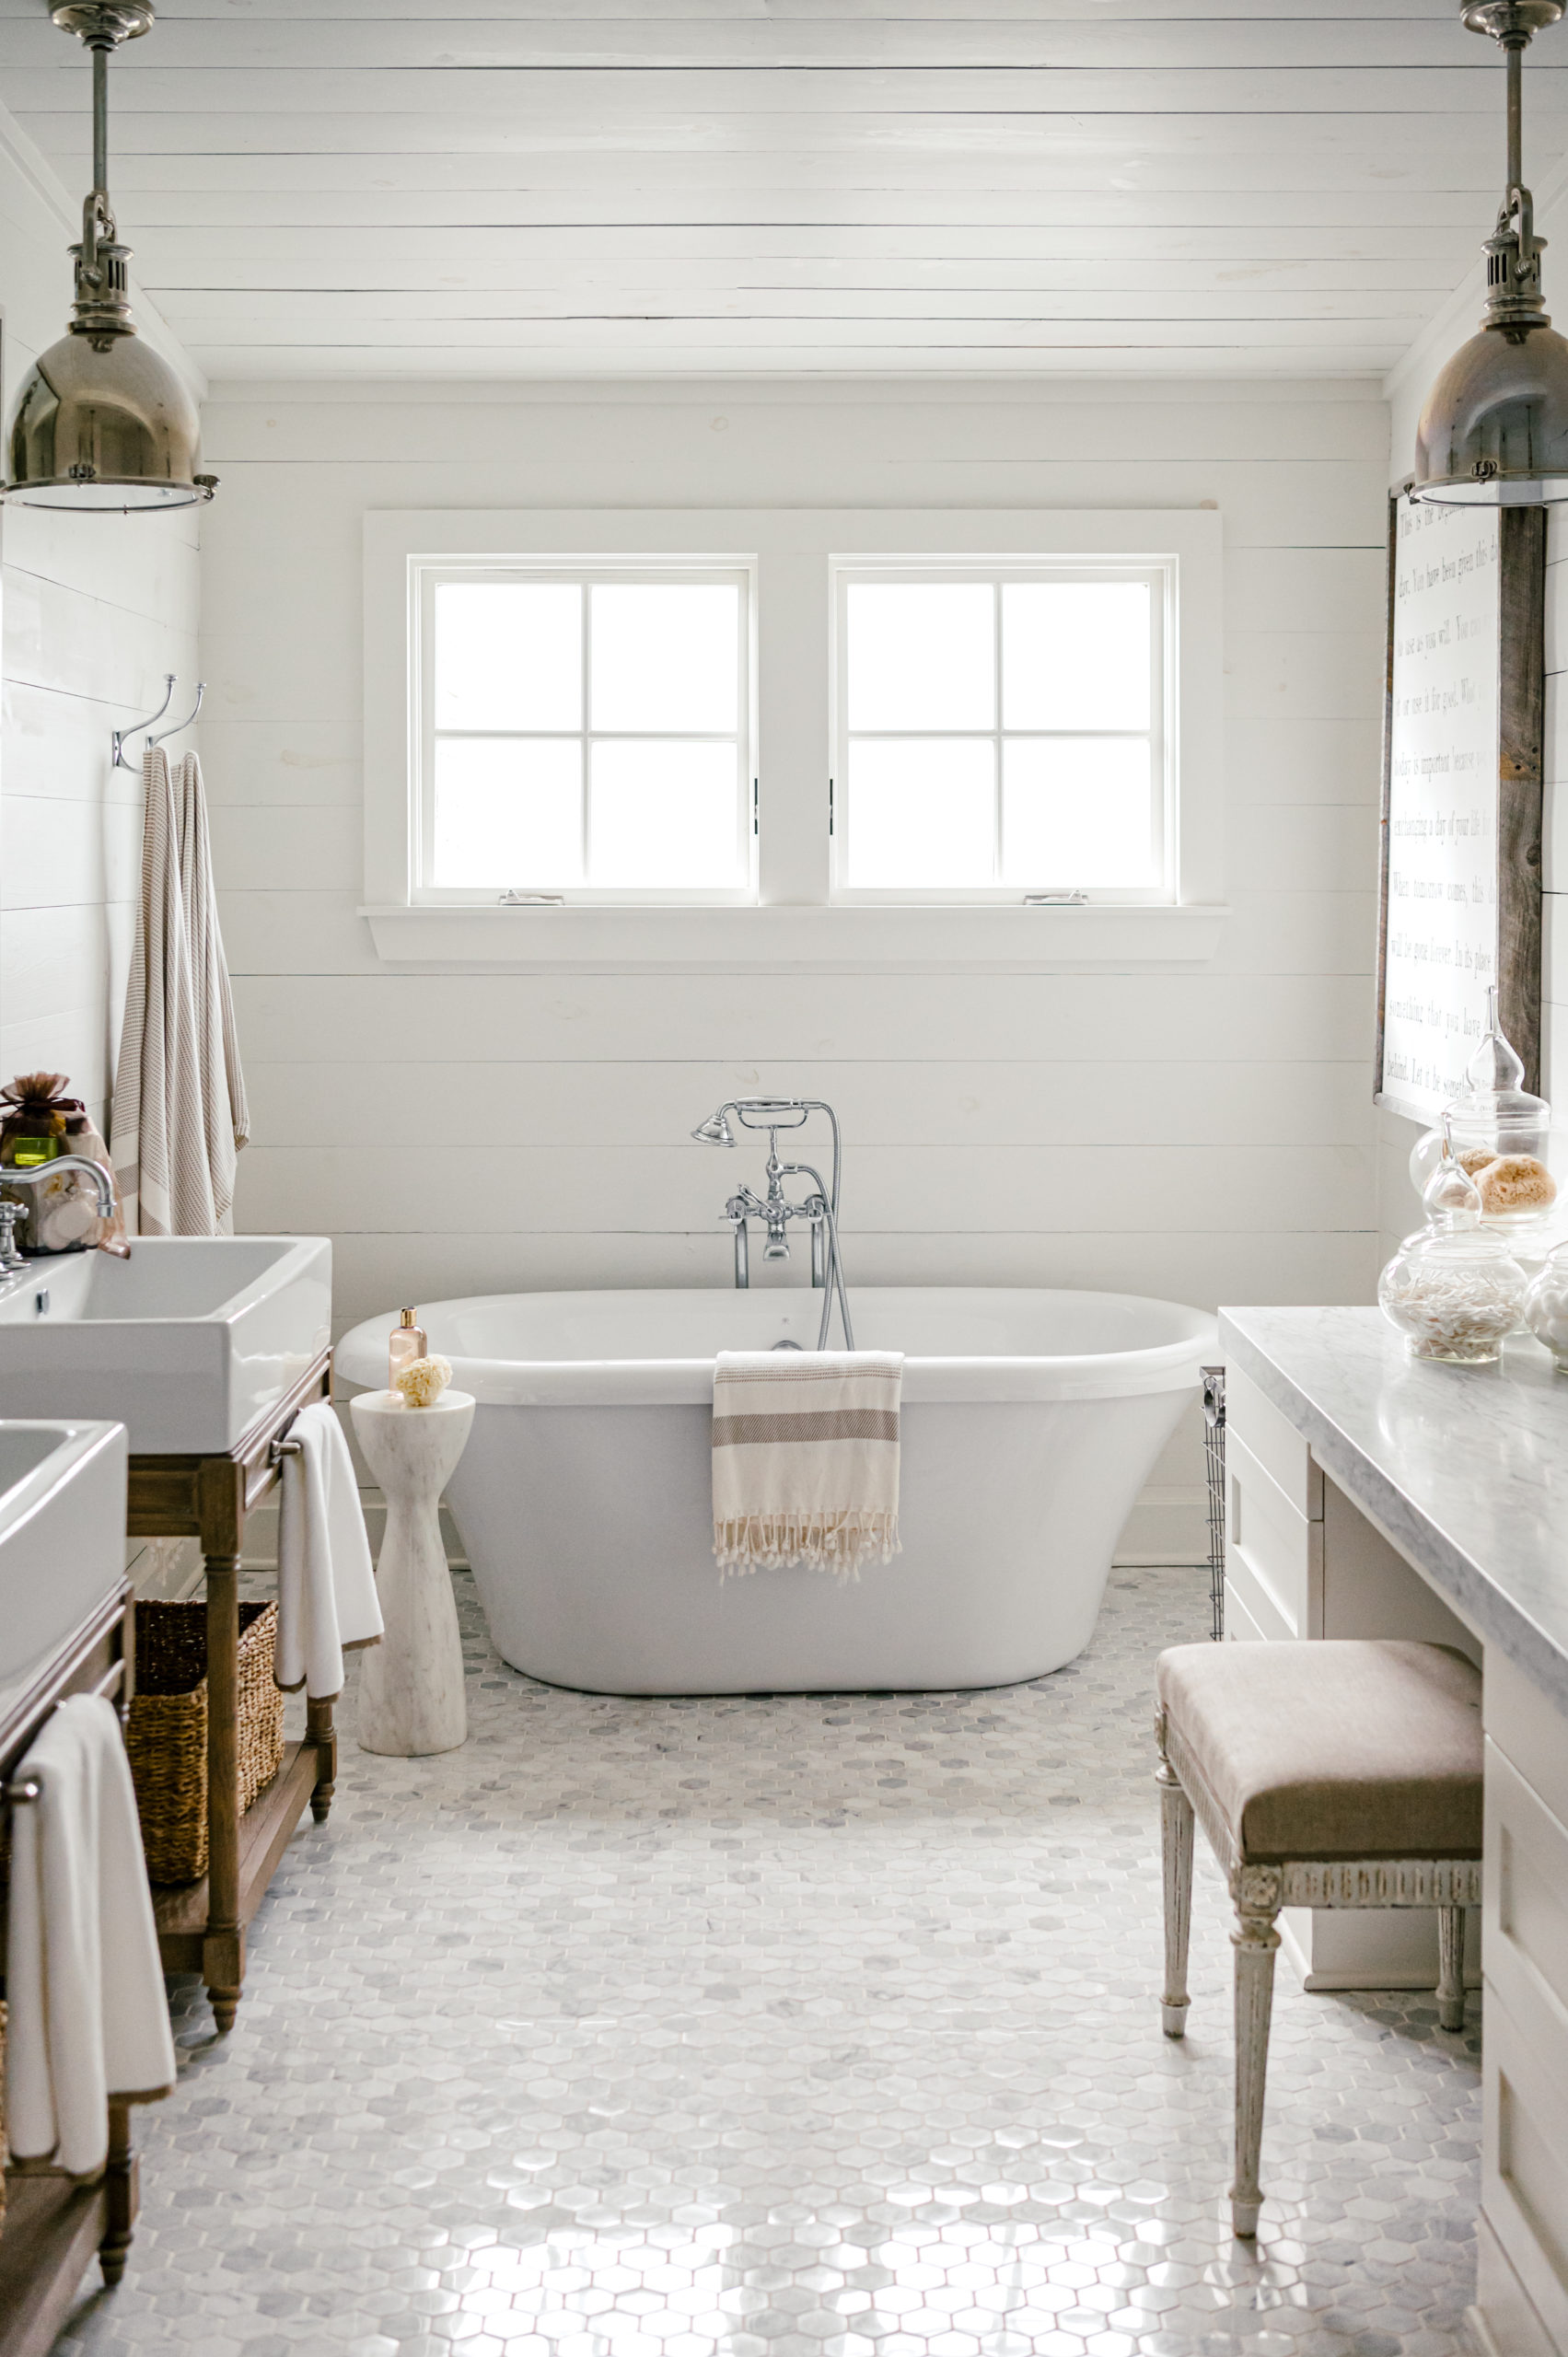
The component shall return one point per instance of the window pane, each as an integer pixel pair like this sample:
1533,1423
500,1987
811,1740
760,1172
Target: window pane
1076,655
666,657
507,814
920,813
665,813
921,654
1077,811
508,655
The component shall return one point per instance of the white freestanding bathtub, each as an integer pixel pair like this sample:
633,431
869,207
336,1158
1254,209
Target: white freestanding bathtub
1031,1421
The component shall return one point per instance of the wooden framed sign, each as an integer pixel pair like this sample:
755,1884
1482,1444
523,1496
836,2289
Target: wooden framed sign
1460,845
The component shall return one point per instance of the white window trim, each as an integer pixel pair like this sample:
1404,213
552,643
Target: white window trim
796,922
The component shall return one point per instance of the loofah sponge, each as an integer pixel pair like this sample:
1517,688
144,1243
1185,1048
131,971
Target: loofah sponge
1515,1183
422,1381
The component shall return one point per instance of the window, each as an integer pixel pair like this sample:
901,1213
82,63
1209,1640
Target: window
1000,730
585,731
800,739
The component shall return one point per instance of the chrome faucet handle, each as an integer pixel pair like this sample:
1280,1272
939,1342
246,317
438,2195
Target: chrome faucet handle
10,1258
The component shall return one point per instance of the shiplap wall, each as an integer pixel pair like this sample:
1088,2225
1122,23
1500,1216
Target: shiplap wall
1202,1133
96,609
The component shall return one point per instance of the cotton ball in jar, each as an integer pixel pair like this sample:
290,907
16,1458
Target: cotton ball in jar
422,1381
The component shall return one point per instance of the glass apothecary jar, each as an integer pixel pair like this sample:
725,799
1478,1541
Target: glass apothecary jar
1453,1290
1546,1306
1499,1135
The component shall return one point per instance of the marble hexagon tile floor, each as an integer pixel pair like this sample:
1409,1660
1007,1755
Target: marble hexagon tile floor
795,2028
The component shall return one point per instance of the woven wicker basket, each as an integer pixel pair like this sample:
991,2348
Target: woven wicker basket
166,1729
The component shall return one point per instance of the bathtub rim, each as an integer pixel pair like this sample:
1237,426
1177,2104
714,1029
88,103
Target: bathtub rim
359,1357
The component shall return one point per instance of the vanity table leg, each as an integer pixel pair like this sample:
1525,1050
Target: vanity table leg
1256,1891
223,1949
122,2186
1451,1967
322,1731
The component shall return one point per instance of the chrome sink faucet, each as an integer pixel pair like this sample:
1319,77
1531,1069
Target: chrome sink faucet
33,1174
775,1210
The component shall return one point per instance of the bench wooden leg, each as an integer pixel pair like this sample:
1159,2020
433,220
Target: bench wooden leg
1451,1967
1257,1891
1175,1843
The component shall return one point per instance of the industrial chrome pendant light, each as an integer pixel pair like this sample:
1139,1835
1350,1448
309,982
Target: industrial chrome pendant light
1494,431
103,422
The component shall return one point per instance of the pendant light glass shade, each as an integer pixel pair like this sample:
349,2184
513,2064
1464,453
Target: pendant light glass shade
1495,430
103,422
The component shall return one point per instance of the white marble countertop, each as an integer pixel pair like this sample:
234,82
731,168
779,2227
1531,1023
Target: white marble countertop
1465,1468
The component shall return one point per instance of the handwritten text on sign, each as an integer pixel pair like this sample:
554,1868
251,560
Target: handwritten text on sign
1441,949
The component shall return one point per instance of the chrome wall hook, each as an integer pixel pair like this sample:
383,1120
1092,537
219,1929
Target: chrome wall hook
121,736
136,726
187,722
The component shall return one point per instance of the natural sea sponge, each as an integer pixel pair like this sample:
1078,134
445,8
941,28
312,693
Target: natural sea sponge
422,1381
1474,1158
1515,1183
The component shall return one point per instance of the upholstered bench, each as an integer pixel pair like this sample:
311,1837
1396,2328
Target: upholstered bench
1324,1774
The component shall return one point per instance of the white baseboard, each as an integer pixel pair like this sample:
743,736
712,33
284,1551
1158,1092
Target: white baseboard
1167,1526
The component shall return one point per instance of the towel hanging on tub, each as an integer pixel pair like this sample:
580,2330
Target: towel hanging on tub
90,2021
806,1459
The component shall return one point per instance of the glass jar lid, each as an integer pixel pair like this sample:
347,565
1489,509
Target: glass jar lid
1494,1089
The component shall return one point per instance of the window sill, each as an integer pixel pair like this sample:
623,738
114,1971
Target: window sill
629,940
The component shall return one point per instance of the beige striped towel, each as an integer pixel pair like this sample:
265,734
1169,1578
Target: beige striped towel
806,1458
179,1113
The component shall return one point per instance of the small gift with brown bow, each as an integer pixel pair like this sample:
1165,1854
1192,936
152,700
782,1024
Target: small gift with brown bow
40,1124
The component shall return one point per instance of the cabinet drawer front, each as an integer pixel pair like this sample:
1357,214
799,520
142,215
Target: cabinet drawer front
1525,2146
1273,1554
1527,1891
1274,1442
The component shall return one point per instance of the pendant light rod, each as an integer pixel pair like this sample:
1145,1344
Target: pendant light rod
101,51
1513,48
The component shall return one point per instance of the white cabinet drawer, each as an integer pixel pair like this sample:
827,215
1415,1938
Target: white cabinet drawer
1523,2185
1273,1553
1527,1892
1274,1442
1240,1629
1525,2174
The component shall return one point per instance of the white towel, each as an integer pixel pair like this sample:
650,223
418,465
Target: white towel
806,1458
88,2017
180,1112
327,1600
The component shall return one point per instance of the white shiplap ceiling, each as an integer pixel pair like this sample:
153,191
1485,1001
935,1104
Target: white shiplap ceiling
570,187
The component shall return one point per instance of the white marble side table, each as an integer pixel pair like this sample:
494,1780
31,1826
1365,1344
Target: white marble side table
411,1690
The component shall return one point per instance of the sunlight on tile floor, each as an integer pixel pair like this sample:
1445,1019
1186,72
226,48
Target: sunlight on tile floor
807,2027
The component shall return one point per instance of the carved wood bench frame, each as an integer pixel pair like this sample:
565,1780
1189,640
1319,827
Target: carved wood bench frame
1257,1893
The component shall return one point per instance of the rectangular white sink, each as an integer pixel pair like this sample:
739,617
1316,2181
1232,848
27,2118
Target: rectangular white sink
187,1345
62,1538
